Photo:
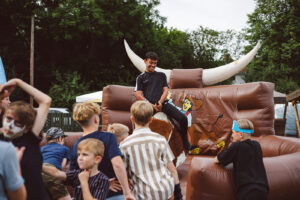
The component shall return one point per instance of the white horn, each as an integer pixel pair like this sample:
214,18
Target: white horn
210,76
221,73
139,62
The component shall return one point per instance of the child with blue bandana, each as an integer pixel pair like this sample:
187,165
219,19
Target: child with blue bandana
246,155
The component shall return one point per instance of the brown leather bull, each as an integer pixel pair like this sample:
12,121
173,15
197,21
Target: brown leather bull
212,113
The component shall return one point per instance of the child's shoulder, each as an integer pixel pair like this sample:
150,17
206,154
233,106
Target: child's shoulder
101,175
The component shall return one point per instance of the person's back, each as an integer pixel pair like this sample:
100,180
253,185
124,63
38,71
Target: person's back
149,152
148,158
246,155
11,183
54,154
87,116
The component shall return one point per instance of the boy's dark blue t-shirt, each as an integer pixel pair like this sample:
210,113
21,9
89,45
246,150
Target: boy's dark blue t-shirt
31,165
248,164
54,153
111,150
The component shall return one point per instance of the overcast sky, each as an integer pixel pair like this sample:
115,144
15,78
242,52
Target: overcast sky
218,15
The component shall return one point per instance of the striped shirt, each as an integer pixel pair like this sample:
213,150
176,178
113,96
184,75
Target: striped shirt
146,155
98,185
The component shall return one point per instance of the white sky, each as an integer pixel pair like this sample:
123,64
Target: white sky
218,15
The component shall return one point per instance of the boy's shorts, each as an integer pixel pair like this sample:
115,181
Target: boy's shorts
56,189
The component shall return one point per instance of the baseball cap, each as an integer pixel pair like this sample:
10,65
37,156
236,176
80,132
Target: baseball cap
54,133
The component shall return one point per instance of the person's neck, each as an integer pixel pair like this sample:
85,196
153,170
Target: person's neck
90,129
94,170
138,126
243,139
149,72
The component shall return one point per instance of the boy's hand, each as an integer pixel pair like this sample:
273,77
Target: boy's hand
84,176
3,94
8,87
216,159
129,197
114,185
154,106
177,192
20,152
159,107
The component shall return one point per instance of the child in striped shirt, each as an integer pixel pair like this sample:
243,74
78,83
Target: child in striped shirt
88,182
148,158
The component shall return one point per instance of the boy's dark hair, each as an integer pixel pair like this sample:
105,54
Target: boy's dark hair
152,55
24,111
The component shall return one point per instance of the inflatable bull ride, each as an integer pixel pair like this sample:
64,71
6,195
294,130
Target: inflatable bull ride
210,111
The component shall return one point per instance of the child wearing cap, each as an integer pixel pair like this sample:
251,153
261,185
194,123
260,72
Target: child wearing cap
246,155
54,154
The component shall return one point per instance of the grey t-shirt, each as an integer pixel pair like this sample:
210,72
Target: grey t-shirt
10,179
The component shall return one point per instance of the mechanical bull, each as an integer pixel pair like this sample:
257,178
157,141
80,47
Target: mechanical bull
210,109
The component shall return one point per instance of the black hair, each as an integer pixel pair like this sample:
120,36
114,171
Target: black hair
152,55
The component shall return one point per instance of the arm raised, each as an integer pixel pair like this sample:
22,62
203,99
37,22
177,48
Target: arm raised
42,99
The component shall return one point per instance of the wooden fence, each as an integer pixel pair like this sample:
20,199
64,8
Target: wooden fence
62,120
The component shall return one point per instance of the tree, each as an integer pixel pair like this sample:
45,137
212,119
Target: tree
214,48
277,24
65,89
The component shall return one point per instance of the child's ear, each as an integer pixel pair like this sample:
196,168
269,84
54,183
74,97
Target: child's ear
96,119
98,159
132,119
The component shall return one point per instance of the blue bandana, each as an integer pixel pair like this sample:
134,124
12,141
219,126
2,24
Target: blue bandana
235,127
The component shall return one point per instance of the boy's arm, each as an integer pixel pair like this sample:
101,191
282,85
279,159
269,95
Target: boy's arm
177,191
171,167
84,182
42,99
227,156
19,194
162,98
65,164
52,171
121,174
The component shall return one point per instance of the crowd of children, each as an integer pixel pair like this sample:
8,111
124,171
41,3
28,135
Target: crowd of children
105,165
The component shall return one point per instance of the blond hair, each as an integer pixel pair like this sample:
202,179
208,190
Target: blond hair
245,124
23,111
92,145
83,112
142,112
119,130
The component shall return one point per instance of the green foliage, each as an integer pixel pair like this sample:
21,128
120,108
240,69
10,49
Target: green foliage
84,40
214,48
67,86
277,24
